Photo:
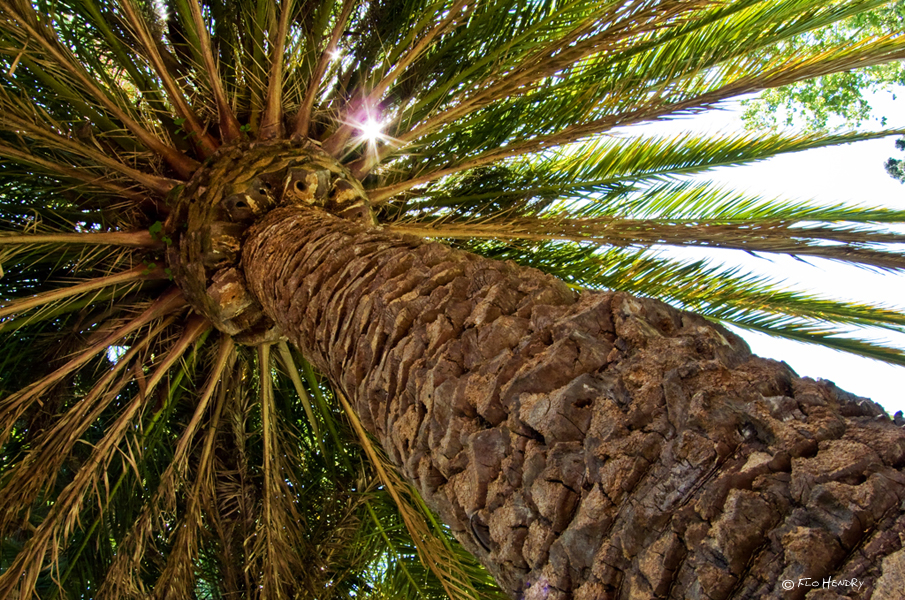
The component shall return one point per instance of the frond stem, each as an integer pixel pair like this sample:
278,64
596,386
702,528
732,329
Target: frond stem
292,371
131,239
181,163
62,516
303,118
229,126
335,143
136,274
193,127
272,119
15,404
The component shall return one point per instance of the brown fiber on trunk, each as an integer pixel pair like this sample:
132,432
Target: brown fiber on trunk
591,445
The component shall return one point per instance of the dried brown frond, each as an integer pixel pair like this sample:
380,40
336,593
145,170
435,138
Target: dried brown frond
40,467
124,576
64,516
12,407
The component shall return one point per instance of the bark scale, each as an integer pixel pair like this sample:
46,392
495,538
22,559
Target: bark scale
591,445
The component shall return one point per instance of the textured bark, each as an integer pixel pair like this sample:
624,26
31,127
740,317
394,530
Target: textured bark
591,445
211,214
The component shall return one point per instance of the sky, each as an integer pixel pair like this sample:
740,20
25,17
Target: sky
851,173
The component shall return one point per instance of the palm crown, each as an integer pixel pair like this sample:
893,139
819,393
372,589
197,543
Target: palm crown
143,452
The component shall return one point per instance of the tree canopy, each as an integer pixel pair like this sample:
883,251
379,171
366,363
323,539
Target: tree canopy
896,167
143,453
837,98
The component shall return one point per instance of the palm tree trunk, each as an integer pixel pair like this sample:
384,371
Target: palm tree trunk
589,445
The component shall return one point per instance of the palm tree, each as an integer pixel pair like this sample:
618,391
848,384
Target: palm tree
244,242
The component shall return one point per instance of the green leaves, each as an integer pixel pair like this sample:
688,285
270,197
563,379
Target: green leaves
812,103
179,462
606,175
156,231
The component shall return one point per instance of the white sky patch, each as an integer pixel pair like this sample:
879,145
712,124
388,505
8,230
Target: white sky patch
115,353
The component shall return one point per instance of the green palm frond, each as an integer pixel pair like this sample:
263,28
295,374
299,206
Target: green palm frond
597,171
680,214
144,454
844,244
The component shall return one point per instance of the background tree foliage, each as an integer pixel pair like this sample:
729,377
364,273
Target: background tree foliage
896,167
813,103
840,97
144,454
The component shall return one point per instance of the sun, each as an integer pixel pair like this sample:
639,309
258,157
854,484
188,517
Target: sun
371,130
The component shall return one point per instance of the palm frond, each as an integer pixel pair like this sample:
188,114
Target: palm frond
23,19
219,470
229,126
12,407
843,243
433,554
123,578
139,27
596,172
37,470
63,517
